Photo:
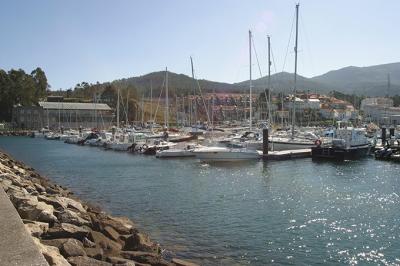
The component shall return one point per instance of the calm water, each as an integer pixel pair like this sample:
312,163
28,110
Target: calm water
290,212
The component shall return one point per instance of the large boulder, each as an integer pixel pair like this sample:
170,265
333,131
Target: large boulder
86,261
36,228
109,246
72,204
71,217
180,262
51,254
57,242
111,233
95,253
122,225
120,261
141,242
65,230
30,208
145,257
72,248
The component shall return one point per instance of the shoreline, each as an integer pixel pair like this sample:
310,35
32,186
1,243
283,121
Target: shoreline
69,231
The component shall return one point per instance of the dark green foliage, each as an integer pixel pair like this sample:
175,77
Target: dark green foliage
351,98
17,87
396,100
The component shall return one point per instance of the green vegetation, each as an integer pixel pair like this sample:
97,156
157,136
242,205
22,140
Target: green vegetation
351,98
18,87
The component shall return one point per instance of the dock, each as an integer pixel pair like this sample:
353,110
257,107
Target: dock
286,155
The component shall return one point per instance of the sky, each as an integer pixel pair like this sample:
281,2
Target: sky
98,40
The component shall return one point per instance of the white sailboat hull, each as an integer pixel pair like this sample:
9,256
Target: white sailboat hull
226,155
175,153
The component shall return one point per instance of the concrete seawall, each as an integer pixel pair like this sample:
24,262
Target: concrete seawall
16,244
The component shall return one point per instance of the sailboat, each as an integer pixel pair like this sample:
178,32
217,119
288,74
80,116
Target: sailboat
223,154
293,141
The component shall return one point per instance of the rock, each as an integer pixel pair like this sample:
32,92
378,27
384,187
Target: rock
54,242
140,241
71,217
39,187
53,191
180,262
109,246
144,257
5,183
120,224
36,228
73,204
56,203
87,243
120,261
51,254
72,248
65,230
111,233
19,170
86,261
96,253
30,208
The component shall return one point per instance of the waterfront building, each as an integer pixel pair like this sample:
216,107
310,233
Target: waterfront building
62,114
381,111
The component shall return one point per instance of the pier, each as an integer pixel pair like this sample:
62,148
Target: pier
286,155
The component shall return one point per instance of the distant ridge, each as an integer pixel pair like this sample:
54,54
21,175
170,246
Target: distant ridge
368,81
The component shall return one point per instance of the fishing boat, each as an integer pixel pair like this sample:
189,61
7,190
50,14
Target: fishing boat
348,143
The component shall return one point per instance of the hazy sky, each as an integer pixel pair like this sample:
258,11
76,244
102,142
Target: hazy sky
95,40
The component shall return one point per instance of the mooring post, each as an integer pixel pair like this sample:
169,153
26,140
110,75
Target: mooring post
391,131
383,136
265,141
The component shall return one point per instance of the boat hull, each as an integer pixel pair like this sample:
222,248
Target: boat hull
226,156
340,154
282,146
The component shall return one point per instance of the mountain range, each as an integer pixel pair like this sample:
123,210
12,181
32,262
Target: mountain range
368,81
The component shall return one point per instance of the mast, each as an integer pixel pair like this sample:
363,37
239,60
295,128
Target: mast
166,99
142,109
151,99
269,81
127,109
295,69
118,108
194,93
250,79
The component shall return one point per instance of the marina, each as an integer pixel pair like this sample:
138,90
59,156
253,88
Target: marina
180,133
257,212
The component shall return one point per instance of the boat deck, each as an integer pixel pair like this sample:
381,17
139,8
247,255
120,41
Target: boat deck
286,155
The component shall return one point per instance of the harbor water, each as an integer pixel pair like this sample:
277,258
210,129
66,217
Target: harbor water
257,213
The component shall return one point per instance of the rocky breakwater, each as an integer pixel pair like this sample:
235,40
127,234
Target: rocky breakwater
70,232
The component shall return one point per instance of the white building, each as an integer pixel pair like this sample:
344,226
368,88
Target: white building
380,110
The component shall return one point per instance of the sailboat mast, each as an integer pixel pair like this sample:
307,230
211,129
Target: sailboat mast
250,85
166,98
269,81
194,93
151,99
295,69
127,107
118,108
